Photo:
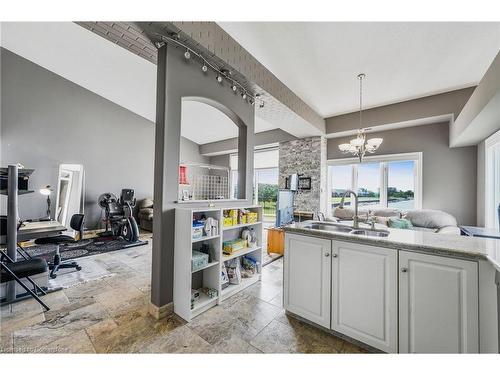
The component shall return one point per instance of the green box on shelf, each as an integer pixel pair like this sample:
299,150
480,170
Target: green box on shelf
198,260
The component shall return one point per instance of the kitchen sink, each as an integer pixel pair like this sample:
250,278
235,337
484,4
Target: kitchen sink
333,227
328,227
369,233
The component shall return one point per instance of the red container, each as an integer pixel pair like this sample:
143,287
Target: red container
182,175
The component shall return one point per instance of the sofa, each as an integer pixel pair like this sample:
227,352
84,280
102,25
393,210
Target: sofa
145,214
424,220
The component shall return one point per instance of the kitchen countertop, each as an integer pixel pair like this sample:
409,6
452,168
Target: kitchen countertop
428,242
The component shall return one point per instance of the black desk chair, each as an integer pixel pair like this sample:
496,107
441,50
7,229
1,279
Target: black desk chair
10,271
76,223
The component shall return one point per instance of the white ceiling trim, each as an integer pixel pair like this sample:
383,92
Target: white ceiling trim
397,125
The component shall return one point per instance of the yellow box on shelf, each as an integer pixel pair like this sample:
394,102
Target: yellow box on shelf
229,247
253,217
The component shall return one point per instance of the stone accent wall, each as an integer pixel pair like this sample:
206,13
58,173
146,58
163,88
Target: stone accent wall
307,157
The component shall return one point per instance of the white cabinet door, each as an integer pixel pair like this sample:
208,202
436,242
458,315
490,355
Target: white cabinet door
364,294
307,278
438,304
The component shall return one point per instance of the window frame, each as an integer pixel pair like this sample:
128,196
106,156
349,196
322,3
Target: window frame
384,175
490,177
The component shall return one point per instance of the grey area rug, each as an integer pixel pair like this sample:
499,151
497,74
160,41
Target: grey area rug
81,249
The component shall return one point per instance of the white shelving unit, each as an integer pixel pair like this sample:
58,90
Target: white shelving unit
186,279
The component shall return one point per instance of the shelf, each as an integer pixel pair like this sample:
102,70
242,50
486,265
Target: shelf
235,288
242,225
204,238
203,303
239,253
211,264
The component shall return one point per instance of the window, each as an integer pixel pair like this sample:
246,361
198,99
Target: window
341,180
401,184
384,181
369,184
492,181
265,180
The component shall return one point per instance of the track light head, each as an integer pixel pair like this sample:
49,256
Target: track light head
234,88
187,55
244,95
159,44
261,105
204,68
219,78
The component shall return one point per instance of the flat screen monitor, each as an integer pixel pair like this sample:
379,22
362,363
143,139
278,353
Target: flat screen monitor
284,208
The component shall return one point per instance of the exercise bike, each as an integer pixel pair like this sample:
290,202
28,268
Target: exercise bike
119,218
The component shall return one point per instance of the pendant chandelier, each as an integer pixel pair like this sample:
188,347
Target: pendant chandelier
359,146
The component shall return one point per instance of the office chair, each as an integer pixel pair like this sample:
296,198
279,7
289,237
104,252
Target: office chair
76,223
10,270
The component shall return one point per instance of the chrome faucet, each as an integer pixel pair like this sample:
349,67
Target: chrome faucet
320,215
355,218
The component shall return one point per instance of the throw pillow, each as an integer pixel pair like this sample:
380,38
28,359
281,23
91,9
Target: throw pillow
399,223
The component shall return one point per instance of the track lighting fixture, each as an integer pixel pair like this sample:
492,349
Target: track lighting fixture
222,73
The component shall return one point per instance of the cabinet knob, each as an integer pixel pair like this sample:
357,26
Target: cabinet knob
404,269
327,255
334,255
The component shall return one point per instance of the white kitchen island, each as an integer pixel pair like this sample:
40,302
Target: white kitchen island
407,292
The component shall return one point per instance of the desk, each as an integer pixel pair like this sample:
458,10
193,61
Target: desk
38,229
31,231
480,232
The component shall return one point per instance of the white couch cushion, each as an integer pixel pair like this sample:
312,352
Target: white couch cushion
430,218
347,213
385,212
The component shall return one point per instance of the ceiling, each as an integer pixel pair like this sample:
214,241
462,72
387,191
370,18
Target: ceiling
112,72
202,123
320,61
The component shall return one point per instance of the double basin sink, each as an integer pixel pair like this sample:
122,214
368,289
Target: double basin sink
340,228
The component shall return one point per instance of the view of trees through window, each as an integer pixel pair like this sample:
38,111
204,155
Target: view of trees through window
266,182
401,184
390,184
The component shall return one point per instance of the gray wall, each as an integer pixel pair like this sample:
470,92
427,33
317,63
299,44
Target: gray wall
264,138
190,152
430,106
47,120
221,160
449,174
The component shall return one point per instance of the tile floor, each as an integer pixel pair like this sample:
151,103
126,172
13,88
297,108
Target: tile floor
107,313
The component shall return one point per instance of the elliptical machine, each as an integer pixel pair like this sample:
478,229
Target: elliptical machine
120,221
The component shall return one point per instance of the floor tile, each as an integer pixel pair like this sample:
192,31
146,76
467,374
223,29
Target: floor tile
76,343
281,338
180,340
131,336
